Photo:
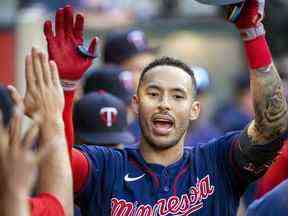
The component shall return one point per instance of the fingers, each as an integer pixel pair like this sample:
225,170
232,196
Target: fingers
16,97
93,45
54,74
4,138
29,74
78,28
15,128
48,32
59,23
46,69
37,68
68,20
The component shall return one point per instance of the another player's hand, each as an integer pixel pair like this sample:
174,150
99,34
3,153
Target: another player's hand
17,160
65,46
44,98
249,21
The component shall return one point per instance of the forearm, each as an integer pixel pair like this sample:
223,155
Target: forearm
260,143
55,176
14,204
68,119
267,93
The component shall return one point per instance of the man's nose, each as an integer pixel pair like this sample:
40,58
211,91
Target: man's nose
164,103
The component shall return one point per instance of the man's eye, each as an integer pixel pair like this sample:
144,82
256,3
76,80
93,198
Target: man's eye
178,97
153,94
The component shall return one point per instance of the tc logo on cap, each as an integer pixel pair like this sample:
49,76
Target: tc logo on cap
137,38
108,115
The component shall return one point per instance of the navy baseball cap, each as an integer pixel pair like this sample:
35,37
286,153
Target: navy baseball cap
220,2
101,119
120,46
110,79
6,105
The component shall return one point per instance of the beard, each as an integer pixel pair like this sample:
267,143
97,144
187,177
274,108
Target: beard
158,145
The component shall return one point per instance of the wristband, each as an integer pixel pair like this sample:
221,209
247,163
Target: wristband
69,85
249,34
258,54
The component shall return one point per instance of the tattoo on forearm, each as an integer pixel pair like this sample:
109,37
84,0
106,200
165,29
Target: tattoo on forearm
274,110
269,104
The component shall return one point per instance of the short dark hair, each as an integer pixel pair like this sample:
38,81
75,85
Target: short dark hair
169,61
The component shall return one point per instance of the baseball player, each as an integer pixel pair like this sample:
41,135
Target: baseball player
161,177
101,119
130,50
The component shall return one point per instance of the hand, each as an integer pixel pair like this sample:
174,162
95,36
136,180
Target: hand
18,162
65,46
249,21
44,99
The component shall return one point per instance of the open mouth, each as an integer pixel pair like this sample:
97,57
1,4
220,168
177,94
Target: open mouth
162,125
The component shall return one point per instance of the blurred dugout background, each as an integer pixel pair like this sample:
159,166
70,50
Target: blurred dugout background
184,29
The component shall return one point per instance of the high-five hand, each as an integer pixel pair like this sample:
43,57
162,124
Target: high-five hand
44,100
65,46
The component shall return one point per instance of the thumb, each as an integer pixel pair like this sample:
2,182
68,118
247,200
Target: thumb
93,46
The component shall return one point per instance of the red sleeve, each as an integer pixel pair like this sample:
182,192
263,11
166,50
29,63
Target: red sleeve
79,162
46,204
68,121
277,173
80,170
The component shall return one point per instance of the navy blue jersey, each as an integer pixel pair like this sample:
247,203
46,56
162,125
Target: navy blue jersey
204,181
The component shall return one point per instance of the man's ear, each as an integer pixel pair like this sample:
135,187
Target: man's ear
135,104
195,110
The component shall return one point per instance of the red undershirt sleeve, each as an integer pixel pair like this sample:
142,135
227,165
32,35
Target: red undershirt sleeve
80,170
45,204
68,121
79,162
277,173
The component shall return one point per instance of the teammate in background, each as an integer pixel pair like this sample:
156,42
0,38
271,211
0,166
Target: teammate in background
111,79
101,119
114,80
44,103
273,203
161,177
129,50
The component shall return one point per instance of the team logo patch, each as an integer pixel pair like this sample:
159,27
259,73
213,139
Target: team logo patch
187,204
108,115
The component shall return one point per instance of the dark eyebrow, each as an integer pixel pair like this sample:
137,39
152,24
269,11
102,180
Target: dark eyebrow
153,86
181,90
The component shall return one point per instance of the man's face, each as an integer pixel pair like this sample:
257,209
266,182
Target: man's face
165,106
136,64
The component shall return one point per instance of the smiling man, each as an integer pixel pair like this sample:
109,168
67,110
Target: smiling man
161,177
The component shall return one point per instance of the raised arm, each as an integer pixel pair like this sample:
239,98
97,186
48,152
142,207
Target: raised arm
266,86
17,164
65,47
45,95
263,138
